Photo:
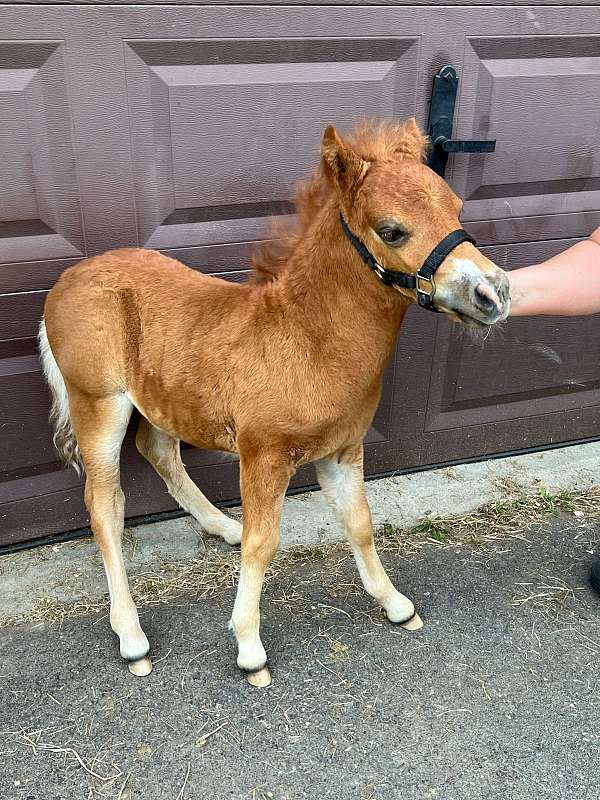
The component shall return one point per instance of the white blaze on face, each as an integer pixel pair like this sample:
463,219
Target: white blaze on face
453,290
469,271
464,267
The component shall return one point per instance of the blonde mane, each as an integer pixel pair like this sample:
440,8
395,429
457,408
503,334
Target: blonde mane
270,258
383,141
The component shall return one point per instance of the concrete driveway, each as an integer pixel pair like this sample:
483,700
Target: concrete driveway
497,696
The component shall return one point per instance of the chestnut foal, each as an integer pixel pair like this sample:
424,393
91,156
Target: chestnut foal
283,370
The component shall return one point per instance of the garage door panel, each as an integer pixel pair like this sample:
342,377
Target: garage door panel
26,441
40,215
525,93
185,129
17,201
28,276
529,375
195,103
48,514
524,371
526,368
534,228
20,315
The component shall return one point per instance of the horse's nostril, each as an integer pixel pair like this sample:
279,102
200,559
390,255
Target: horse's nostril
486,298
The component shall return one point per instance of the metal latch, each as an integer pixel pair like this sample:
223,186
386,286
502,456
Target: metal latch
441,121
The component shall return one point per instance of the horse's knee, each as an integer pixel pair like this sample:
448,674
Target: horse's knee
260,548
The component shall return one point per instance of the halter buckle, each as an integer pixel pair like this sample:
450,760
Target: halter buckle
378,269
427,295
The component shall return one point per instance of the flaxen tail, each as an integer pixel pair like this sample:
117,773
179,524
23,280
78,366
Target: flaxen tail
64,439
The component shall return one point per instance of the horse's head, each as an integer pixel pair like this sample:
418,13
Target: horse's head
400,211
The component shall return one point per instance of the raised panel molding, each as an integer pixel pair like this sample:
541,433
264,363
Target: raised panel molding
40,215
537,96
141,95
223,130
522,371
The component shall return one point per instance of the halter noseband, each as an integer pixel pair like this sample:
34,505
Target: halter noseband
414,280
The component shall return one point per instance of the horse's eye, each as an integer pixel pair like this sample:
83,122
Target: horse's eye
392,234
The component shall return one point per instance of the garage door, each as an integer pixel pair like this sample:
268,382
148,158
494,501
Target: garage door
184,128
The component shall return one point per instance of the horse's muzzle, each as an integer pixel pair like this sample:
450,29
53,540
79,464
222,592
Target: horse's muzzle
476,298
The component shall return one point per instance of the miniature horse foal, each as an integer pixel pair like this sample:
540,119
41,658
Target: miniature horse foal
283,370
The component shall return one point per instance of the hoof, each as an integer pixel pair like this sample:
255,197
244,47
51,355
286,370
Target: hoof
260,678
141,667
415,623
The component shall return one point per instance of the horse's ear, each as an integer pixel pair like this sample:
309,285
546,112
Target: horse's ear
342,166
412,142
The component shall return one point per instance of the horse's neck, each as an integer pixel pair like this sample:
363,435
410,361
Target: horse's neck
335,296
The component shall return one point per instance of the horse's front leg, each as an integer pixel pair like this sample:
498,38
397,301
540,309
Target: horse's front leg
263,480
341,478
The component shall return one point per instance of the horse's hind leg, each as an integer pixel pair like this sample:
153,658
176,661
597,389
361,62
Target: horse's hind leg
162,451
100,425
343,486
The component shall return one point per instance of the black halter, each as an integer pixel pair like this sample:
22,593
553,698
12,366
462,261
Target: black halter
414,280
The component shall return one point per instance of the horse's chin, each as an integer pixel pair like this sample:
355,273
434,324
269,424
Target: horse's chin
465,320
475,329
471,322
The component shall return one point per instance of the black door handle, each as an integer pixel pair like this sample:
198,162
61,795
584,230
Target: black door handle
465,145
441,122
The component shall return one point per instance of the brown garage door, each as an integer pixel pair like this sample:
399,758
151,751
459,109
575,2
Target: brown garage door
184,128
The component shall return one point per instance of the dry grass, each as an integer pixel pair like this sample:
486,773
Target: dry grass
103,775
547,595
519,513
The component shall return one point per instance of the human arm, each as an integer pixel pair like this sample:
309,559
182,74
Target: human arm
567,284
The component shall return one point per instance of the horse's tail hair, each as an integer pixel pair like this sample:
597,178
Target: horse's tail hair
64,438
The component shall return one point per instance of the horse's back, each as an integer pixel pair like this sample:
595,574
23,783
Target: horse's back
122,269
96,312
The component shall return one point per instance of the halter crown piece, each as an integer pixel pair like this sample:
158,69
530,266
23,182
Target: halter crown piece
413,280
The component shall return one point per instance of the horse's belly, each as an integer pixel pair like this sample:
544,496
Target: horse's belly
191,424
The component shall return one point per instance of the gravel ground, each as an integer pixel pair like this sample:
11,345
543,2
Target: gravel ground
497,696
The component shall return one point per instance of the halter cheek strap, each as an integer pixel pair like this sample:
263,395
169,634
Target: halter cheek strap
415,280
